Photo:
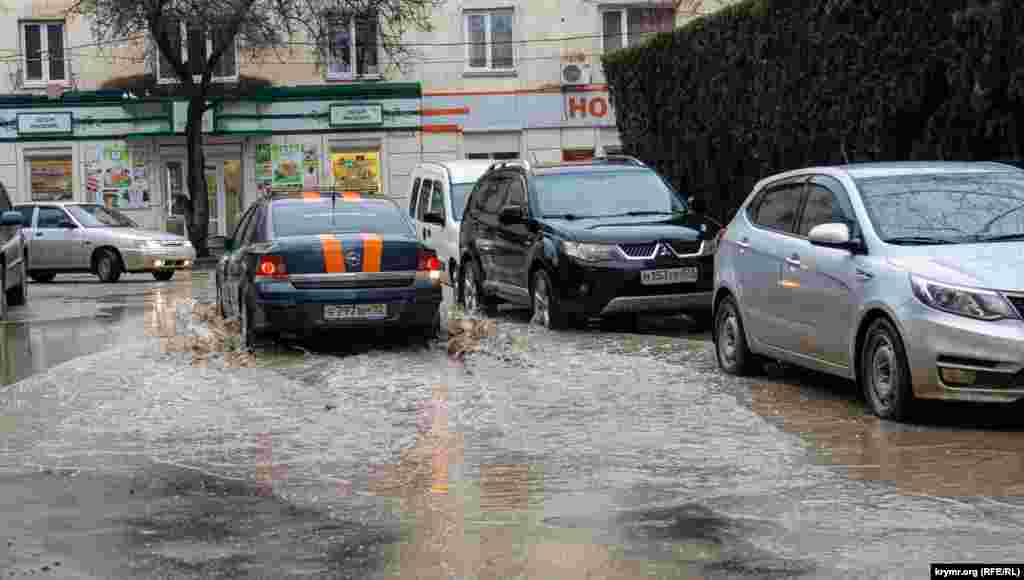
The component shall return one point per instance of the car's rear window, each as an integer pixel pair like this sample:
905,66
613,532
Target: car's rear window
301,218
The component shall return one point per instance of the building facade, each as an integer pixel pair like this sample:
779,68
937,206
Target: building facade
495,79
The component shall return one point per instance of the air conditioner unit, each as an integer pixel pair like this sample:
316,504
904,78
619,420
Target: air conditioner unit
576,73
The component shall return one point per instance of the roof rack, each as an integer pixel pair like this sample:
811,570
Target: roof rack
510,163
621,159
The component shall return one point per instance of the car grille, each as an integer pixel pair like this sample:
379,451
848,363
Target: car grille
684,248
353,283
638,250
1018,303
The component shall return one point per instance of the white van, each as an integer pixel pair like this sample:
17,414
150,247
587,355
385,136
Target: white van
441,189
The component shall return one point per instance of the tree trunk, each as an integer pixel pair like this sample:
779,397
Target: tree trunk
199,216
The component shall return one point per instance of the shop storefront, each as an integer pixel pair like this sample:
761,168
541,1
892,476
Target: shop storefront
130,153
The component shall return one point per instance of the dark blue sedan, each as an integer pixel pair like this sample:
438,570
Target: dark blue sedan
301,263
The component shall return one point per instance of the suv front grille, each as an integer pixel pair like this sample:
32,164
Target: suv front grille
684,248
1018,303
638,250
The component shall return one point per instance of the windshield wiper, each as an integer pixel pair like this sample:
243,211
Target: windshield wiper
999,238
565,216
637,213
917,240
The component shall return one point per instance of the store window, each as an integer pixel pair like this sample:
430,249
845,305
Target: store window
43,50
356,170
490,40
51,178
351,50
623,27
577,154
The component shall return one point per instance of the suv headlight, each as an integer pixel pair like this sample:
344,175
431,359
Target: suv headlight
590,252
969,302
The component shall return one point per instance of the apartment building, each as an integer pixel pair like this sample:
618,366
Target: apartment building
495,79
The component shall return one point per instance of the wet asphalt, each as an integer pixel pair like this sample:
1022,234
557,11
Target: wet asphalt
606,452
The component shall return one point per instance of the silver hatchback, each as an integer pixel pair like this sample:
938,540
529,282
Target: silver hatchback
906,277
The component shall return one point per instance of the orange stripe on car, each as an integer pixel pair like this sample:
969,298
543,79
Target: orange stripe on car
310,196
373,248
351,196
334,260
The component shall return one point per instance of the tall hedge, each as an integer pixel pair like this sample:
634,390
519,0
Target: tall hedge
770,85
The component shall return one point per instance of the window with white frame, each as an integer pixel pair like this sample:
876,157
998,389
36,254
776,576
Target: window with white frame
195,44
43,49
490,40
351,50
628,26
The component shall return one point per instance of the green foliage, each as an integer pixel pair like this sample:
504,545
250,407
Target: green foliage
765,86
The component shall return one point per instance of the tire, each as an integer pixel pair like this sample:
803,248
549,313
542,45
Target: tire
3,294
163,275
885,373
42,277
731,349
545,304
220,303
108,266
431,331
474,301
18,295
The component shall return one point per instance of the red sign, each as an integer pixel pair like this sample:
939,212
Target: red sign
588,107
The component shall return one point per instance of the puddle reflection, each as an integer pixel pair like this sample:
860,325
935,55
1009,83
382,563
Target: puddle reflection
918,460
30,347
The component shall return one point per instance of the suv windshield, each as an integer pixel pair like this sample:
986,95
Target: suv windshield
310,219
943,208
606,193
98,216
459,193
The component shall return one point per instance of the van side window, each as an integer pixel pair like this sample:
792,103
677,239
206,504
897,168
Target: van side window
414,197
437,199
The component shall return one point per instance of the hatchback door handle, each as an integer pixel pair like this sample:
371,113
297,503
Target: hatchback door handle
864,274
40,234
744,243
793,261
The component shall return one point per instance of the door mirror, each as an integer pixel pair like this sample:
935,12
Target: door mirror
697,204
512,214
67,225
229,245
12,218
433,217
834,235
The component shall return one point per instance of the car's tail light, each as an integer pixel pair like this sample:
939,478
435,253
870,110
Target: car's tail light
428,262
271,268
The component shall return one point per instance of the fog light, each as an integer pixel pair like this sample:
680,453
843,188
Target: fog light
958,376
158,263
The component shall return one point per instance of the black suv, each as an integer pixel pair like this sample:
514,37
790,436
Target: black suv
607,237
12,256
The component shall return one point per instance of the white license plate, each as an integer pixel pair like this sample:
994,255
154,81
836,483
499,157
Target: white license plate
668,276
348,311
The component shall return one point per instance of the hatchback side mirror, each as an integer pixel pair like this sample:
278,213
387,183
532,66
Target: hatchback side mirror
12,218
512,214
833,235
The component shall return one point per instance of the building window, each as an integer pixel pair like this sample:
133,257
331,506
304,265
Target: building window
499,156
43,47
490,43
51,178
352,48
630,26
194,45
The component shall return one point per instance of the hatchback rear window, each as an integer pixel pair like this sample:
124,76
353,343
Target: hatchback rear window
310,219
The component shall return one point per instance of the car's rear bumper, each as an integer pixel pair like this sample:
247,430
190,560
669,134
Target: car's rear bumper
280,307
608,290
961,359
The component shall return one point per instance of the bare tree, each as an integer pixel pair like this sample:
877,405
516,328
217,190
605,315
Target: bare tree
254,25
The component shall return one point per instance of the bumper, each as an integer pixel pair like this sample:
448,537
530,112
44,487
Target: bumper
280,307
960,359
154,260
605,290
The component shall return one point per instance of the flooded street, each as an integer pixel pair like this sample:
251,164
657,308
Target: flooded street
596,453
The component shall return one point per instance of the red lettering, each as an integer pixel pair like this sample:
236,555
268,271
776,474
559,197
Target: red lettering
598,107
577,106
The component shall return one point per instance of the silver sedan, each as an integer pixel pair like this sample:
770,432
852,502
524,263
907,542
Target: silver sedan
84,237
906,277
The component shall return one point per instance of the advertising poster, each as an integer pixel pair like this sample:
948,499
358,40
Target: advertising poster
113,175
356,171
287,166
51,179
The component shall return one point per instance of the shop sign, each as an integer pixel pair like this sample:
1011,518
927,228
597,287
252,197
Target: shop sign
588,107
365,114
44,123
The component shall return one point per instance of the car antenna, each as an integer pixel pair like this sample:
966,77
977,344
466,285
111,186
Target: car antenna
334,204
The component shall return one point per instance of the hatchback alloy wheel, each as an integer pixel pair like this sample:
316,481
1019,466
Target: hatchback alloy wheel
731,349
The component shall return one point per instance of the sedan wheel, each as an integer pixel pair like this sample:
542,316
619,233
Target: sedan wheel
108,267
885,373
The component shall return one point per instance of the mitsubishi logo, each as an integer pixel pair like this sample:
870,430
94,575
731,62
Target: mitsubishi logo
352,259
663,250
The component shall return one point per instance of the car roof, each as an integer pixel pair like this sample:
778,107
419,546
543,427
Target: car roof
463,170
348,199
876,169
585,167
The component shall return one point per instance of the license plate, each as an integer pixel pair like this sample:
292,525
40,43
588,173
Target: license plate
348,311
668,276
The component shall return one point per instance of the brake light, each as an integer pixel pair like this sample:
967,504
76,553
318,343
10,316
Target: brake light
271,268
428,261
